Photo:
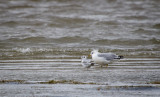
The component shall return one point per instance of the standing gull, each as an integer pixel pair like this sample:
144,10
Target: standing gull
104,58
86,63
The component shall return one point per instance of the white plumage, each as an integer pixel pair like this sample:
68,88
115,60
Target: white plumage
104,58
86,63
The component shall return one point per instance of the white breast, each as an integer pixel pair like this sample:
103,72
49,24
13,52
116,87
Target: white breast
99,60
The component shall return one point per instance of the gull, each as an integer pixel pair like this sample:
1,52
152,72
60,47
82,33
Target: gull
86,63
104,58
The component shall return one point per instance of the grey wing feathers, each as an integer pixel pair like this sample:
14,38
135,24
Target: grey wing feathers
108,56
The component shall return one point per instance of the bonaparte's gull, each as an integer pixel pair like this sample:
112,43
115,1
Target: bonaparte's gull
86,63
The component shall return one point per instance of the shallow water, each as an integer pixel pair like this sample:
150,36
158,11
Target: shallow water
41,41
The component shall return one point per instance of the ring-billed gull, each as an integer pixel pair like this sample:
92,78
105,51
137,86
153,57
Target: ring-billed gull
104,58
86,63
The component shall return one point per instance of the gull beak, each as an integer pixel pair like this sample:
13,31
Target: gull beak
89,55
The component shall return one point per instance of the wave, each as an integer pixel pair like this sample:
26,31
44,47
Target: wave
128,42
72,39
49,40
78,39
9,23
135,17
142,31
69,53
157,26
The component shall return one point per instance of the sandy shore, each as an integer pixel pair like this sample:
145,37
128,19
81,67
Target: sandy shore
130,77
78,90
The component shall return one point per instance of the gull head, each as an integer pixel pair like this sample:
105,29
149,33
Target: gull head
83,57
94,52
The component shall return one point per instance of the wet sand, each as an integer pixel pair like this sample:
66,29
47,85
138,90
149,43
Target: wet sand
133,77
71,90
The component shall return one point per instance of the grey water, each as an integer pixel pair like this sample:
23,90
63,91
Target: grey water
43,40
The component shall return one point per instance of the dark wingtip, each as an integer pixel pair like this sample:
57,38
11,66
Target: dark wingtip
120,57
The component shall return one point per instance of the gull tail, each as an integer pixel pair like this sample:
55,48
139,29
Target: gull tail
119,57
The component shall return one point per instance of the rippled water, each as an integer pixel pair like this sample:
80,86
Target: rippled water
42,40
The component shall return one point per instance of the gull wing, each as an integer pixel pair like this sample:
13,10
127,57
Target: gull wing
108,56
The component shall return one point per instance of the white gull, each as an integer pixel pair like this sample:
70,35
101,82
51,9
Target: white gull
104,58
86,63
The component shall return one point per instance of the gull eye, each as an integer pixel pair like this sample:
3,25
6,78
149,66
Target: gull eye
91,53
